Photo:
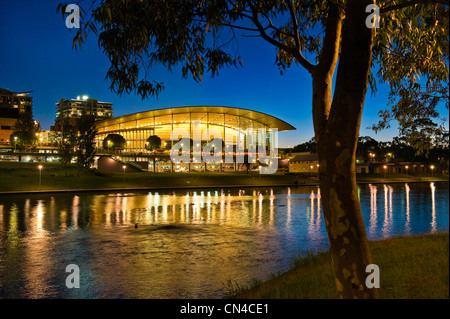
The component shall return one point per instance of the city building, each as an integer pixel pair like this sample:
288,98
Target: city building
12,104
68,112
304,163
309,163
227,123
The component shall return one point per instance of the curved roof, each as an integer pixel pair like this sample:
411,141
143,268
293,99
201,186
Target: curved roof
266,119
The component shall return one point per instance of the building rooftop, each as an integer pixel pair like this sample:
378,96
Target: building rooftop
267,119
305,158
8,92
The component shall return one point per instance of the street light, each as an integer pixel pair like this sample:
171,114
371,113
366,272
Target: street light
432,170
40,175
15,143
385,169
406,167
124,168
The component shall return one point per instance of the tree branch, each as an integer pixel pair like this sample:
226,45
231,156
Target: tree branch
294,26
297,54
411,3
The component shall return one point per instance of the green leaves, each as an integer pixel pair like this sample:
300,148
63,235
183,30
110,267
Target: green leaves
411,50
25,129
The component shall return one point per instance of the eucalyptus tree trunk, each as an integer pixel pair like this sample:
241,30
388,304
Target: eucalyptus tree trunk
336,122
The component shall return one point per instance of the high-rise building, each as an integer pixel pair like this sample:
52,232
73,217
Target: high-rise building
68,112
12,104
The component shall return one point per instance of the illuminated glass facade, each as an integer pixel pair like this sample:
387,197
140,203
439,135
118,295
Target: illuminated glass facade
222,122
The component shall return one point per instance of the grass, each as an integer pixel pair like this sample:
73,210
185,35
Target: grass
25,177
415,267
16,176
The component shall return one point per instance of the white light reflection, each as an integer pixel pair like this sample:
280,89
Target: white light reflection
373,209
271,202
165,204
27,210
433,208
124,209
408,218
260,209
288,219
75,211
391,207
388,190
314,221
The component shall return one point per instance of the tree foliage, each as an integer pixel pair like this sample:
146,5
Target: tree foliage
412,55
66,147
310,146
25,130
114,141
153,142
85,141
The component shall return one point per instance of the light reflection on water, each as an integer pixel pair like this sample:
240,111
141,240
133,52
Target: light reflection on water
188,243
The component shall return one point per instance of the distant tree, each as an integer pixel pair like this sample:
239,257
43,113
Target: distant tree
85,142
114,142
440,153
66,149
415,108
14,140
310,146
153,142
25,130
366,145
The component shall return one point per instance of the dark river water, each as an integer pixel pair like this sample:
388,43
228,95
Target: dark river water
188,244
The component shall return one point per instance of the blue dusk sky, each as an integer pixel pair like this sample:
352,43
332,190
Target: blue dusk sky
36,55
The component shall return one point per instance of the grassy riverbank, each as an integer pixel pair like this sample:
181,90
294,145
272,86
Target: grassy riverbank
17,177
410,267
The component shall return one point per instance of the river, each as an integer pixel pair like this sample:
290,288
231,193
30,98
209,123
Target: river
187,244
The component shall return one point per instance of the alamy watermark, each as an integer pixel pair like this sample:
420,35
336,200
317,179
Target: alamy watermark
73,19
373,279
73,280
373,20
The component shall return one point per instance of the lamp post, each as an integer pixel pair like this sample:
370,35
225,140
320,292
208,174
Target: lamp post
15,143
432,170
124,168
40,175
385,170
406,167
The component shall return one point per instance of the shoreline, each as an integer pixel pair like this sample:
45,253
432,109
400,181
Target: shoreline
166,188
